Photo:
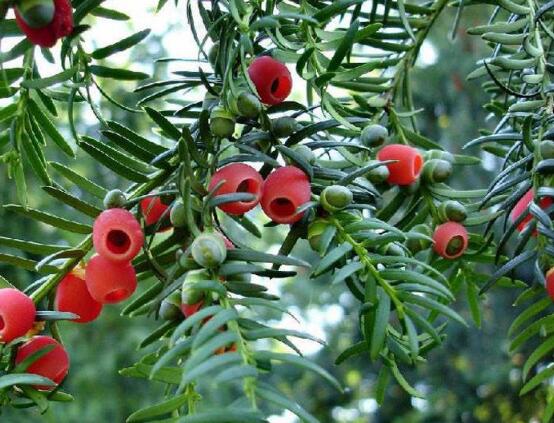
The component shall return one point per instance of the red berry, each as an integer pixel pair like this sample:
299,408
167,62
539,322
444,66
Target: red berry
271,78
522,205
550,283
450,239
54,365
17,314
238,177
72,296
60,26
153,209
117,235
408,167
110,282
189,309
286,189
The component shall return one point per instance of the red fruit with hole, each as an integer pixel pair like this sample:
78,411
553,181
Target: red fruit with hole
522,205
408,166
153,210
550,283
271,78
286,189
238,177
450,239
17,314
60,26
189,310
72,296
110,282
54,365
117,235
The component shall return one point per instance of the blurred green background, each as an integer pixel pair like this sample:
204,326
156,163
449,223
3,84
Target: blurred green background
470,379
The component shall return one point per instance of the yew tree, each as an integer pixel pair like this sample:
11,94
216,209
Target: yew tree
298,116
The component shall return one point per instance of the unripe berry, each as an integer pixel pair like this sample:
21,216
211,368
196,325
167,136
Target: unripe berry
452,210
72,296
378,174
110,282
117,235
238,177
208,250
286,189
374,135
283,127
53,365
392,249
17,314
190,294
436,171
271,78
222,123
59,26
439,154
36,13
408,166
547,149
450,239
335,198
419,244
305,152
153,209
521,207
170,308
178,215
550,283
315,231
248,105
115,199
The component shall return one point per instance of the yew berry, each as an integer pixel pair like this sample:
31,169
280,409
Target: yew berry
189,310
17,314
550,283
53,365
238,177
285,189
374,135
378,174
115,199
153,210
248,105
438,154
521,207
110,282
117,235
305,152
271,78
450,239
178,214
170,307
283,127
436,171
222,123
42,26
407,167
451,210
335,198
315,232
72,296
208,250
546,149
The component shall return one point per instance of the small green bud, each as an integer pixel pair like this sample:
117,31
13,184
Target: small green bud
315,231
436,171
208,250
283,127
36,13
190,294
378,174
452,211
438,154
547,149
305,152
115,199
170,307
248,105
178,216
335,198
374,135
222,123
415,243
392,249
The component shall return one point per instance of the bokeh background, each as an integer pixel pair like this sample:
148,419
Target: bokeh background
470,379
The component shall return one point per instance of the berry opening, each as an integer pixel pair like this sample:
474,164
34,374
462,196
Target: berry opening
455,245
2,323
280,87
417,165
116,295
249,186
282,207
118,241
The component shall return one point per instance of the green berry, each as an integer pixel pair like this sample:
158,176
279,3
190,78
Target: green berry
190,294
248,105
178,216
305,152
170,307
547,149
335,198
283,127
208,250
315,231
436,171
222,123
452,211
374,135
417,243
36,13
115,199
392,249
378,174
438,154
